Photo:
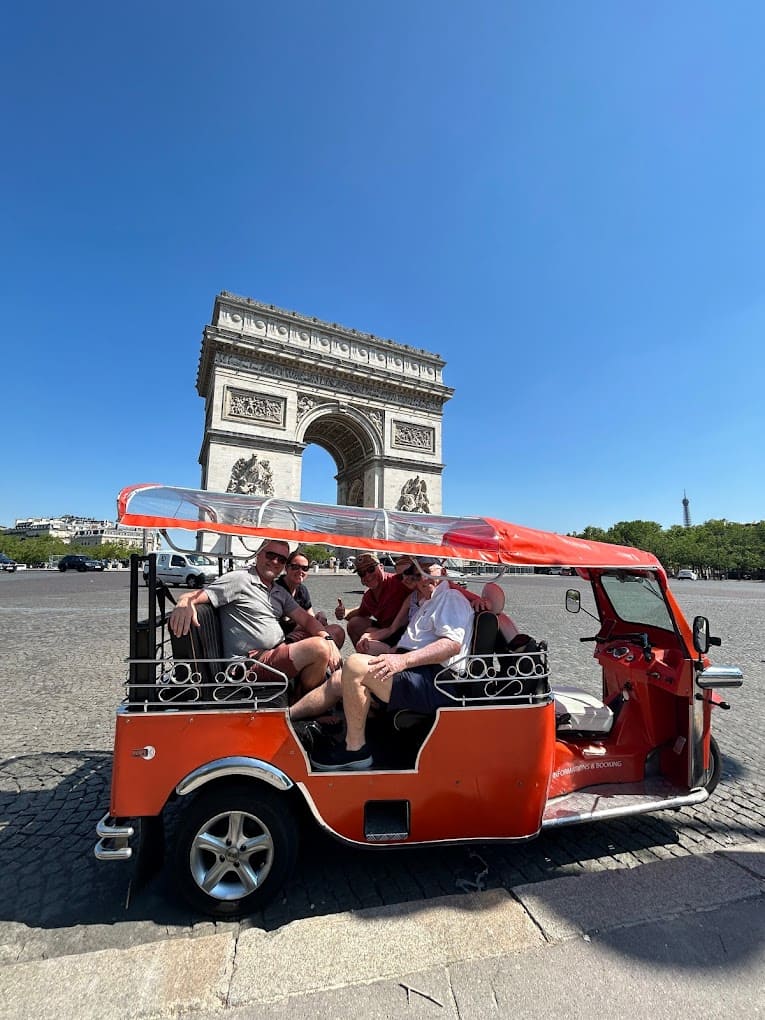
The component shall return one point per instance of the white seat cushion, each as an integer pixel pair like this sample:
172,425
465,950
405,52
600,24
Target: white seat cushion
586,712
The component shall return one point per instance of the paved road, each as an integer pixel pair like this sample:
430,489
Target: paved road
63,640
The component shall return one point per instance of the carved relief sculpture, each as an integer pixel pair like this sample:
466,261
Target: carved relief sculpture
414,496
304,405
377,420
413,437
252,477
258,407
356,493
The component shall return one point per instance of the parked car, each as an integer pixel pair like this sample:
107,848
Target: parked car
191,569
81,563
208,744
6,563
687,575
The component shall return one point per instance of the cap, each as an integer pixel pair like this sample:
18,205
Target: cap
365,560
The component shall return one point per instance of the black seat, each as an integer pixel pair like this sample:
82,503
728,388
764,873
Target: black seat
202,642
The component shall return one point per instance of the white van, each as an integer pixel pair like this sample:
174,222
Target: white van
191,569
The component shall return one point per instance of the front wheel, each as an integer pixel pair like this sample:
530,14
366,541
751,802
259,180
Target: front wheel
235,848
194,581
712,774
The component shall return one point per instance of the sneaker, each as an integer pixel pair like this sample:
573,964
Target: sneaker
335,758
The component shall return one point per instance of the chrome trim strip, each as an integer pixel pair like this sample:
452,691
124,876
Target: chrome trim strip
112,846
686,800
252,768
106,831
117,853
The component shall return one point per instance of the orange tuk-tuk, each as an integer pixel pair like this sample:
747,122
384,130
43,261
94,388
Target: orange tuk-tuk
513,751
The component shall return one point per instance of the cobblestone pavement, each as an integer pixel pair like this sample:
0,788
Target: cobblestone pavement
63,640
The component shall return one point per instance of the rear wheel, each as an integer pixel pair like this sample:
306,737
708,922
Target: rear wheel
712,775
193,581
235,848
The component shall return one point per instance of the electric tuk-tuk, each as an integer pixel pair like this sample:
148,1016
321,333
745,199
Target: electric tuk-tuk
514,751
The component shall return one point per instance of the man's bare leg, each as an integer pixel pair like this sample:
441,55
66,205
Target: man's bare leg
310,658
356,701
319,700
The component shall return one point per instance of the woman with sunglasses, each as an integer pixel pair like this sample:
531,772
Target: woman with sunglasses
295,570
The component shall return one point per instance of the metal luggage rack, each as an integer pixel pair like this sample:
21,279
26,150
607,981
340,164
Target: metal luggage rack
520,678
178,683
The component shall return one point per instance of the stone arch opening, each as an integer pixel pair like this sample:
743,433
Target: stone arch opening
355,449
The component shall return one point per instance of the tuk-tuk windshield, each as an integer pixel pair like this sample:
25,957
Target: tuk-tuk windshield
637,598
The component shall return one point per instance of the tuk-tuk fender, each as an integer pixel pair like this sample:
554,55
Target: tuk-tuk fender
225,768
194,748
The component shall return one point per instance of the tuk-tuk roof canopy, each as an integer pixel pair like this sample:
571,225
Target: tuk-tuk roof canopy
481,539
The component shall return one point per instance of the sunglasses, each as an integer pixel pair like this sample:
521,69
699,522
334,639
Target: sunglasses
275,556
366,570
299,566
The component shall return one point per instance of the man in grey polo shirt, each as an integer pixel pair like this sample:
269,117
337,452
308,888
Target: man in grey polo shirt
250,606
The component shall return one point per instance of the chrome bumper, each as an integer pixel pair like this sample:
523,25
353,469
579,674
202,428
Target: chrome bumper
113,840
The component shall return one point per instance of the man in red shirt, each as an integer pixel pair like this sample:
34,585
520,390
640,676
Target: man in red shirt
381,602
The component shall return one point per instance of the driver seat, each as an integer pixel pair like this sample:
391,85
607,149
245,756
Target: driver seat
576,711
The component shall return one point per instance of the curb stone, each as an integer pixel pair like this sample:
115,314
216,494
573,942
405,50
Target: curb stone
356,959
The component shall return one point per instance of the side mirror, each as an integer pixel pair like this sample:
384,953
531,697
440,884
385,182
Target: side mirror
701,634
702,639
574,602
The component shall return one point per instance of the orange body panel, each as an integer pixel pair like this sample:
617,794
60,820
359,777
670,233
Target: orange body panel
481,773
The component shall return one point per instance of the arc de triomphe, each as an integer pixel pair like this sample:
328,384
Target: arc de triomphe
274,381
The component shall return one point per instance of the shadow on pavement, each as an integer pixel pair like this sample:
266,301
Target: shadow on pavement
50,804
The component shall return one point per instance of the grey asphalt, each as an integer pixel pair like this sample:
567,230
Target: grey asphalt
72,927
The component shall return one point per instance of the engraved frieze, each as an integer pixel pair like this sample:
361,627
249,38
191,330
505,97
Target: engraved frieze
263,408
413,437
330,381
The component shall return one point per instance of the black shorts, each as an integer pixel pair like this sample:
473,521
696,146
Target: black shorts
415,689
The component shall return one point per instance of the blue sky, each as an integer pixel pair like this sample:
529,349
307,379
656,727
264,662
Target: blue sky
563,199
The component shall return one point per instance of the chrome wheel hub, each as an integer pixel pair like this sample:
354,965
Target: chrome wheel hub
231,855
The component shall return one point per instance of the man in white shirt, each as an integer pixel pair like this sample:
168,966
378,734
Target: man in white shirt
438,635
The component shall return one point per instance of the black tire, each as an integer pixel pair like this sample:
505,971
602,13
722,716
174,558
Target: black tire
238,882
193,581
62,568
712,775
81,570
